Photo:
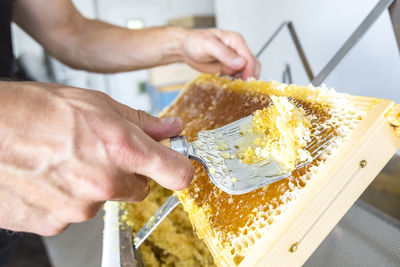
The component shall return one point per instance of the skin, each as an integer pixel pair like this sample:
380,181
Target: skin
64,150
86,149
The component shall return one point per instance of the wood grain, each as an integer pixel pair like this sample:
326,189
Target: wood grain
325,200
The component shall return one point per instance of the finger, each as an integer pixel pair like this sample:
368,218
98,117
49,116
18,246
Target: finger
258,69
237,43
31,217
155,127
212,67
225,54
136,152
62,190
132,188
251,71
94,184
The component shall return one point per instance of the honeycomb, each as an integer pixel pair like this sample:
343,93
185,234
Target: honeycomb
393,117
234,223
263,139
174,242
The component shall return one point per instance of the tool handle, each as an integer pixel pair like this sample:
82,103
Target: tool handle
165,142
177,143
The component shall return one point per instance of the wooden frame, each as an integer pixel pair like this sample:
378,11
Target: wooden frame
328,196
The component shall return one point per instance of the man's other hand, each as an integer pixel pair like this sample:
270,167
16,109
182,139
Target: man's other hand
219,51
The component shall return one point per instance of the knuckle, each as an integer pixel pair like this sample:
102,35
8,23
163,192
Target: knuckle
129,151
142,116
103,95
118,133
120,144
123,142
117,137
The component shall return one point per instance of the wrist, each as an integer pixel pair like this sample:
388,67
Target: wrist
175,51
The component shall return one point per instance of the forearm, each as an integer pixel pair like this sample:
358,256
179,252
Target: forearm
101,47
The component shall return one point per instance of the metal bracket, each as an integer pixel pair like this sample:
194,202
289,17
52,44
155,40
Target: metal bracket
296,42
380,7
394,11
359,32
287,74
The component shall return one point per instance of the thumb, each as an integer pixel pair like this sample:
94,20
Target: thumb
155,127
160,128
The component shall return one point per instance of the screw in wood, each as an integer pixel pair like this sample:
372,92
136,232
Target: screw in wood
363,163
293,247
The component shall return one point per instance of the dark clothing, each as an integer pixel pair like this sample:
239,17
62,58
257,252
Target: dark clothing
8,244
8,241
6,55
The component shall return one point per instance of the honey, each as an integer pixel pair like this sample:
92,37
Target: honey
229,214
173,243
263,139
393,117
236,227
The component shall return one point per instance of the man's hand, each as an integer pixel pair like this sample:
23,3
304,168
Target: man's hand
64,151
218,51
101,47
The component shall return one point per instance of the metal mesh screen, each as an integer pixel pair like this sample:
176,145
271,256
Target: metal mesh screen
364,237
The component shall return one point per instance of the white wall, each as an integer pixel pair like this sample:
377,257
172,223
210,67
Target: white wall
372,68
181,8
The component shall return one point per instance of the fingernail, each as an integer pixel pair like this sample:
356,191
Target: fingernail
170,120
238,62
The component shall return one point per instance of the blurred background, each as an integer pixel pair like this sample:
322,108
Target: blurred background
372,67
